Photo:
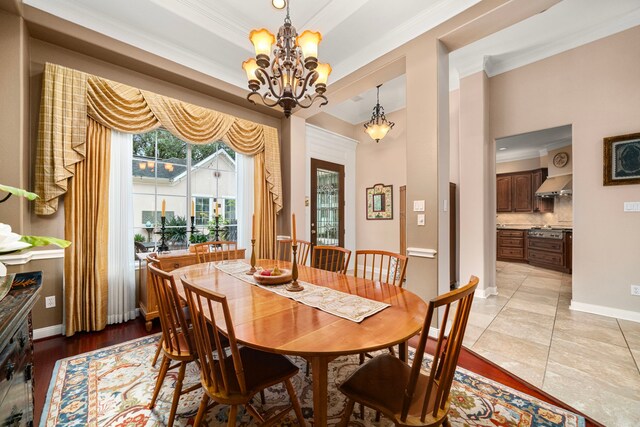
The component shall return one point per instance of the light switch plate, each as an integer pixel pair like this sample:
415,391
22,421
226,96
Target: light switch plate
418,205
50,302
632,206
420,219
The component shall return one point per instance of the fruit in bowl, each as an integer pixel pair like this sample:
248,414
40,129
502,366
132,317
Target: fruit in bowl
267,272
272,276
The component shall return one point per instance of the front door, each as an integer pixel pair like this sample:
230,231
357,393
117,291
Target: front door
327,203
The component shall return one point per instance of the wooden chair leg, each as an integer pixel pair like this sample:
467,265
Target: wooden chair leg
233,413
347,413
202,410
294,401
362,411
307,370
164,367
262,399
445,422
362,357
176,394
158,350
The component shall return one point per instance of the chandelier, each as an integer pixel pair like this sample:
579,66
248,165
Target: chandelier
378,126
290,72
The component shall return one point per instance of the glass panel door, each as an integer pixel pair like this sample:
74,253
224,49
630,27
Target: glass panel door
327,203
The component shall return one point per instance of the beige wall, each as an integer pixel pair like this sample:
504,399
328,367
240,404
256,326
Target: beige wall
594,88
386,163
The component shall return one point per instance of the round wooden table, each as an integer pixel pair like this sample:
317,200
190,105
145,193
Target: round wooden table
270,322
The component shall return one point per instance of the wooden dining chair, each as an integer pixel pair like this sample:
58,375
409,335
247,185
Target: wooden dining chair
381,266
177,343
152,259
216,251
401,391
284,251
331,258
233,379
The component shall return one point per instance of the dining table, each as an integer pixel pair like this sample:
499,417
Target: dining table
270,322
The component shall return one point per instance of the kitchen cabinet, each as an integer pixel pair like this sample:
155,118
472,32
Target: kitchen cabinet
511,245
169,261
515,192
540,204
554,254
504,189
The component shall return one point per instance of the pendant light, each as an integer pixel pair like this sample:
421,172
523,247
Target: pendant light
378,126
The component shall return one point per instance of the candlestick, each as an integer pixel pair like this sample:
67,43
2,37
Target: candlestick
253,257
293,226
294,286
193,208
216,207
253,227
216,229
163,245
164,205
193,229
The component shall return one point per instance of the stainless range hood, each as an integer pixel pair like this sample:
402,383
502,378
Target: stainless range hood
556,186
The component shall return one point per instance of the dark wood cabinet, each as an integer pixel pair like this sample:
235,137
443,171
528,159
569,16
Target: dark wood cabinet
16,355
522,194
504,190
554,254
511,245
540,204
515,192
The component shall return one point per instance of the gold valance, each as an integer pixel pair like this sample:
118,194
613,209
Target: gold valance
68,93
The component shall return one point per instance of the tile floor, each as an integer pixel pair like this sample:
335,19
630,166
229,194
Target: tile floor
590,362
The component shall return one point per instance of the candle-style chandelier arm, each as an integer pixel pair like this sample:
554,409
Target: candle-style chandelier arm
308,81
313,99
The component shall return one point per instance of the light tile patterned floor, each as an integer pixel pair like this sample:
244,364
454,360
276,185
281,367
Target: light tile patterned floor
590,362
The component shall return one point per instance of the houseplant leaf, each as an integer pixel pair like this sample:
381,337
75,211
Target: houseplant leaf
18,192
44,241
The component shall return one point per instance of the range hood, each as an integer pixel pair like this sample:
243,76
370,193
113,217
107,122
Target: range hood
556,186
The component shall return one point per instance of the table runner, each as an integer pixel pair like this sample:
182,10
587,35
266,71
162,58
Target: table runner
341,304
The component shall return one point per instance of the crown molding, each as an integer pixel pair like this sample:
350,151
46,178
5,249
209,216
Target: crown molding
494,65
224,24
325,19
125,34
419,24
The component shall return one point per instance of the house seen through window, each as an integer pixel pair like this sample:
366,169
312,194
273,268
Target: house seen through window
167,168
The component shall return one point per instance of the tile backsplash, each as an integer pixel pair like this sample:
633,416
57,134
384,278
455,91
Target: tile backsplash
562,215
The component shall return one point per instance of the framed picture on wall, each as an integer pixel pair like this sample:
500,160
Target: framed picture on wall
622,159
380,202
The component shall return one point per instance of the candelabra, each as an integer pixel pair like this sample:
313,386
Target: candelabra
294,286
253,257
163,245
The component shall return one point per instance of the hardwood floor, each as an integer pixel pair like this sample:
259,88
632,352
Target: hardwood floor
49,350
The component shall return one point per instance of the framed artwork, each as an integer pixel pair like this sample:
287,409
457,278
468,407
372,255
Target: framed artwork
622,159
380,202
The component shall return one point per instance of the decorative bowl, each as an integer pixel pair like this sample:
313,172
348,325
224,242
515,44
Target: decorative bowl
283,277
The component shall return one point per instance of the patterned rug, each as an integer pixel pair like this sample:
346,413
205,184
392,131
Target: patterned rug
113,386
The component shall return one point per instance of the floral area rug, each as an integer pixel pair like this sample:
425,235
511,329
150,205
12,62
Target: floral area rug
114,385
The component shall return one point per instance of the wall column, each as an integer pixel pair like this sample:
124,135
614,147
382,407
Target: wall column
14,118
477,185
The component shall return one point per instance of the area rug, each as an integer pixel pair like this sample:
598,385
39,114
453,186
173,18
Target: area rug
113,386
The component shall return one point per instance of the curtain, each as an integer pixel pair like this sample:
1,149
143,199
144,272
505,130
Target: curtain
78,111
121,265
86,225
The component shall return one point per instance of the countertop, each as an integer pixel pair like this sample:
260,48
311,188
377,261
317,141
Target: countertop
527,227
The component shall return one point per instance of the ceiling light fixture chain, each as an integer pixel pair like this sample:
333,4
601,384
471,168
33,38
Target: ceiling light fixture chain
378,127
290,71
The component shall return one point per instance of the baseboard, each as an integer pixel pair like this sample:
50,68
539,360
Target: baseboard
48,331
602,310
486,292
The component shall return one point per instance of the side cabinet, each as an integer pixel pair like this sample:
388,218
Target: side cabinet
16,355
522,194
504,192
516,192
168,262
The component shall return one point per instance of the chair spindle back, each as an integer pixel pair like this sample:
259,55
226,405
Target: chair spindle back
331,258
385,267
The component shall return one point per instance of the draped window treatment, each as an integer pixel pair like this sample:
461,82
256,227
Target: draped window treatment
74,104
